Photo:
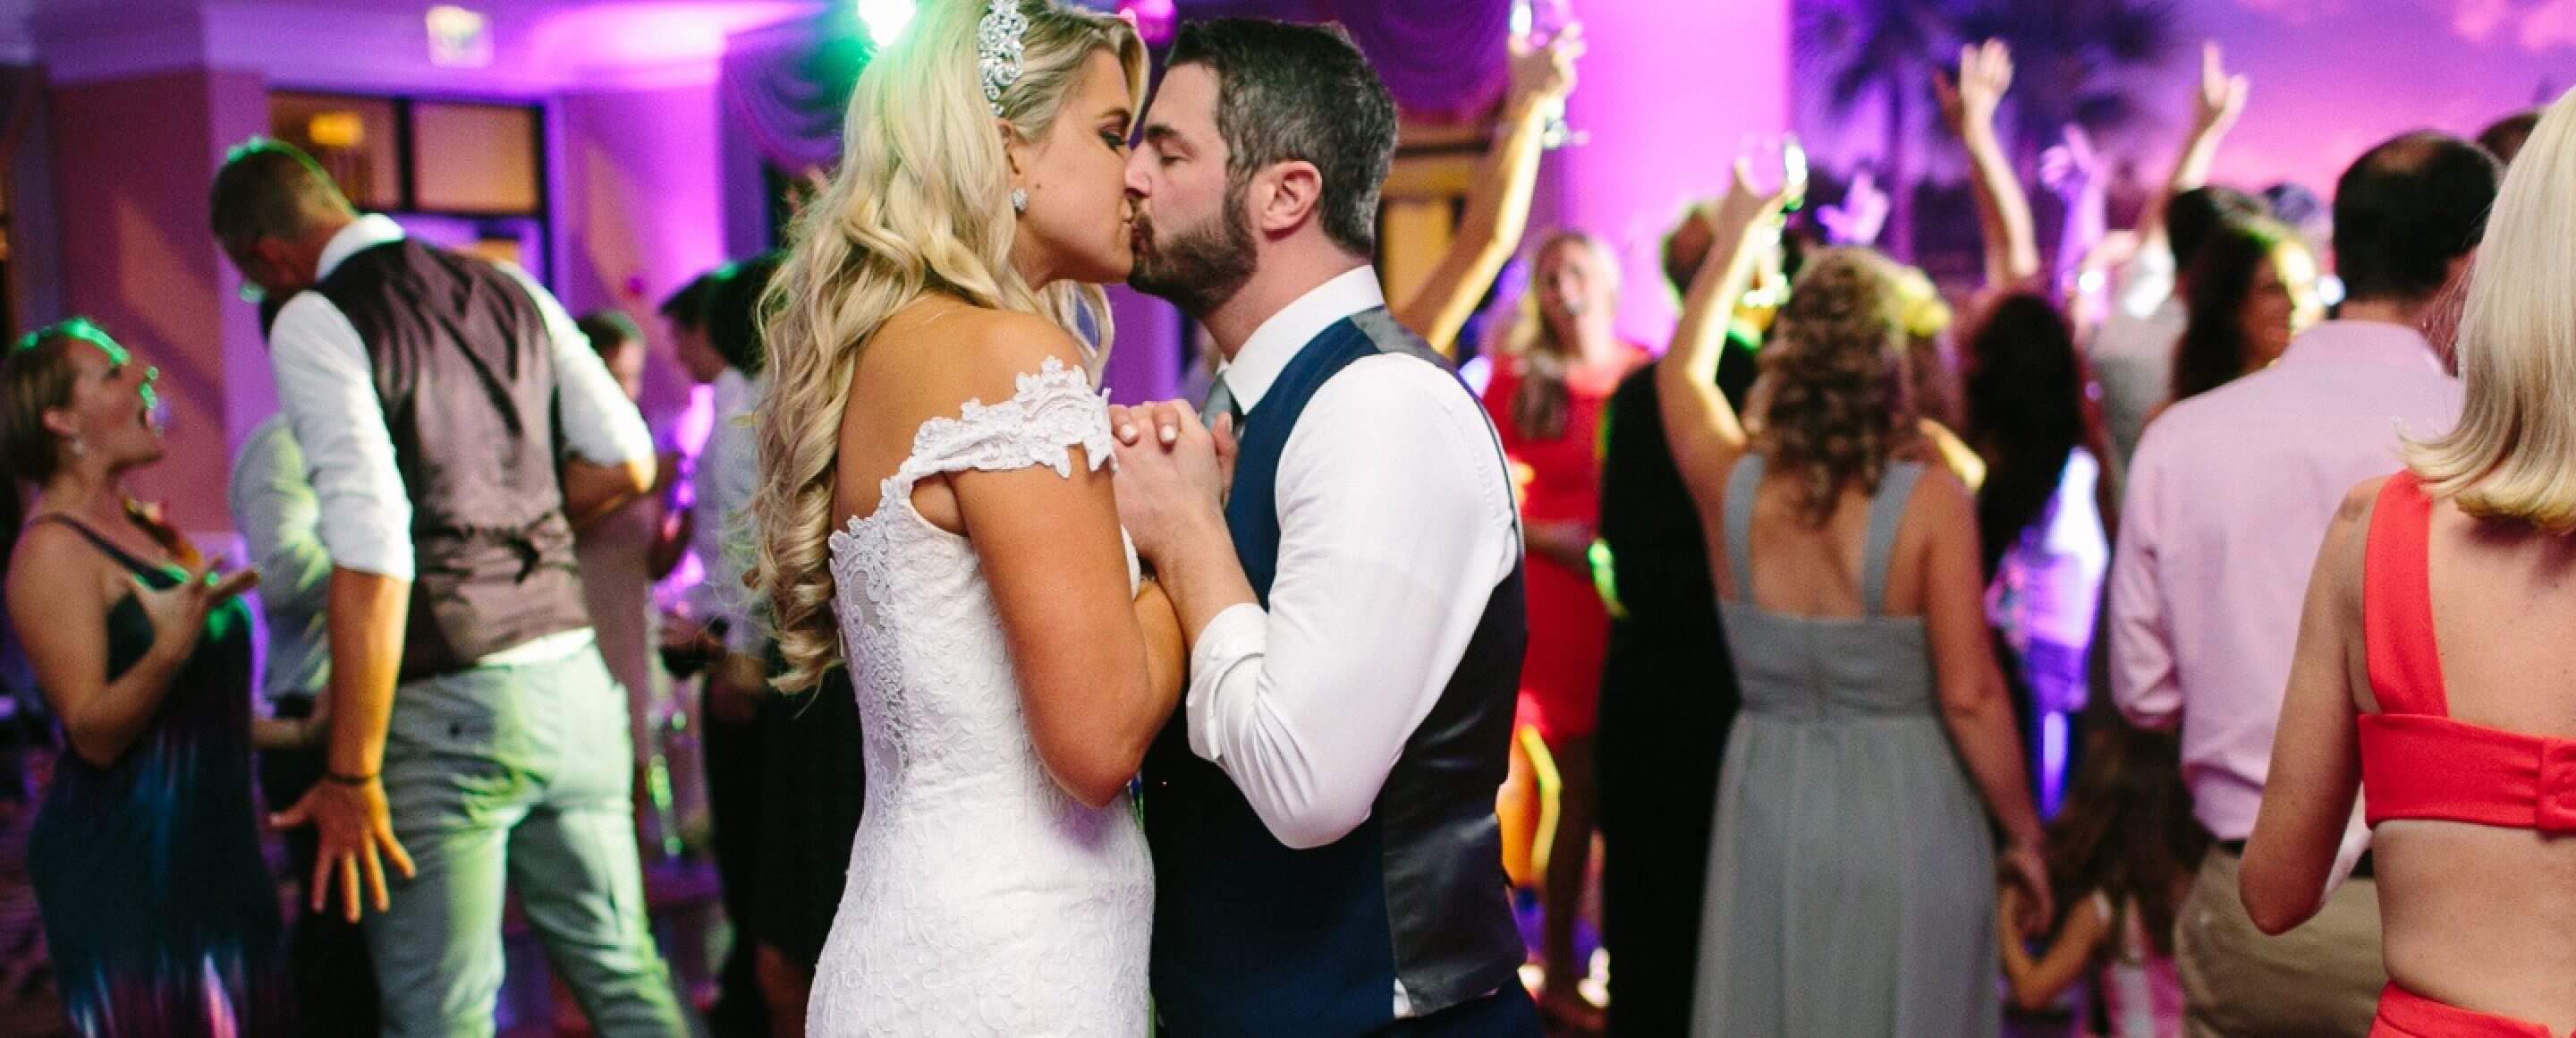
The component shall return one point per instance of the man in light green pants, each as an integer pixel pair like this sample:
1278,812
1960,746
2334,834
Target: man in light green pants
456,424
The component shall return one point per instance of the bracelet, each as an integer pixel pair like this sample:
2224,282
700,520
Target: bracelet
351,780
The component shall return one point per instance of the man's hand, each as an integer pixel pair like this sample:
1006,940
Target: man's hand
357,833
1172,475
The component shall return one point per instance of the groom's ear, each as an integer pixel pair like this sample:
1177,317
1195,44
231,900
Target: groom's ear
1293,196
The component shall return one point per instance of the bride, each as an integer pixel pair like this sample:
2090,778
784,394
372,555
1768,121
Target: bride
955,529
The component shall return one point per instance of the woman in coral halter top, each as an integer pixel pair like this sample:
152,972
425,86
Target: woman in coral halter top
2435,670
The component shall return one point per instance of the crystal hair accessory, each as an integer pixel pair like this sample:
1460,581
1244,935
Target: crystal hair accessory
998,47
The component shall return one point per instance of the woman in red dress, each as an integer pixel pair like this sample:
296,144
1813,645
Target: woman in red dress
1562,363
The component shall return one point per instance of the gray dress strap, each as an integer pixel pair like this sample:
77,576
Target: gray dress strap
1740,490
1886,513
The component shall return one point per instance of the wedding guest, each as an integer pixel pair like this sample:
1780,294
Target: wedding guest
726,475
814,787
453,418
1876,752
623,553
2251,290
160,916
2132,353
2230,497
1563,360
2039,508
2431,670
2039,515
1498,200
1667,688
2120,860
2505,138
279,516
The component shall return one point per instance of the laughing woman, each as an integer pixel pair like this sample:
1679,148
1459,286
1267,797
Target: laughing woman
160,916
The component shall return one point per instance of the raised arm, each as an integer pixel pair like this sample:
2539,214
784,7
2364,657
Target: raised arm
2216,103
2003,209
1705,434
1498,202
2316,757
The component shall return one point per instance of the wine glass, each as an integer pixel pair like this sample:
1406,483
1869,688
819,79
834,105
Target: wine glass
1538,21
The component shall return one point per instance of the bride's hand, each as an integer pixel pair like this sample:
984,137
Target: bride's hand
1170,475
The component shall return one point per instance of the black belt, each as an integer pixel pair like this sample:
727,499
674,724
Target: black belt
2360,869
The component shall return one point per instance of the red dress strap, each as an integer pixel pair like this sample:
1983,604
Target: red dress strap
2397,602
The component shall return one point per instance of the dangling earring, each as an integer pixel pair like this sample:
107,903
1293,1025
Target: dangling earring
1019,200
77,447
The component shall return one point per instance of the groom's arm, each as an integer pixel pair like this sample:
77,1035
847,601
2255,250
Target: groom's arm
1396,523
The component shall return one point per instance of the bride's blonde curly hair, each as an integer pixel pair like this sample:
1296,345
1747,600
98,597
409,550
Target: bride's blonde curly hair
919,205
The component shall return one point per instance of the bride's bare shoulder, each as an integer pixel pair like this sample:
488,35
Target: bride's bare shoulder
946,349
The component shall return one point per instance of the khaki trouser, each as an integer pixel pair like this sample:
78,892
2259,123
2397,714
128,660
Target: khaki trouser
2321,980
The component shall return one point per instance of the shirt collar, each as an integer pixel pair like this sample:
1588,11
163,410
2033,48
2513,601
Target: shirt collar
366,232
2375,343
1267,353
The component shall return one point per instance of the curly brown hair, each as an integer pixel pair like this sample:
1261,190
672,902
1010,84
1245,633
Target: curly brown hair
1840,402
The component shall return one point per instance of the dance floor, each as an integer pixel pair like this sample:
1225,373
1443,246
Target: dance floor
681,895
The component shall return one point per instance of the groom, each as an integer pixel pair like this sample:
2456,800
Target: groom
1327,861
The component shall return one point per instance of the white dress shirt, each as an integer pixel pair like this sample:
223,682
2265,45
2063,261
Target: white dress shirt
280,518
326,385
726,477
1396,523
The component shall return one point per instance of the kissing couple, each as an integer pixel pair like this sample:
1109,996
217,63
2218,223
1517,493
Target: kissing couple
1298,616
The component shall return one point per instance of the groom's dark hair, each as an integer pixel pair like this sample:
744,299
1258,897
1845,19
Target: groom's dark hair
1300,93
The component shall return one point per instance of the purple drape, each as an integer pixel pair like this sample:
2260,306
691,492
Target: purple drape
1440,58
771,82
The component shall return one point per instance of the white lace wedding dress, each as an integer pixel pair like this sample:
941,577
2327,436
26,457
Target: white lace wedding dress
982,899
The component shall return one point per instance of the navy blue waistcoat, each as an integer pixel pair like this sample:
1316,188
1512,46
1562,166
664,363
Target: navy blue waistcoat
1252,938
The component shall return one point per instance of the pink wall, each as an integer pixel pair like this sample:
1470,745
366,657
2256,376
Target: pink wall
1670,95
133,158
640,209
2333,77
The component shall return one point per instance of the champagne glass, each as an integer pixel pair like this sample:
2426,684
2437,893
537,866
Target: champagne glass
1539,21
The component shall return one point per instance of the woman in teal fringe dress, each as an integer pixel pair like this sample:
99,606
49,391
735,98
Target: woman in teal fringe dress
160,916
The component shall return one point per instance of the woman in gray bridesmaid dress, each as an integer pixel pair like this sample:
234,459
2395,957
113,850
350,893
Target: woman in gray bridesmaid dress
1851,880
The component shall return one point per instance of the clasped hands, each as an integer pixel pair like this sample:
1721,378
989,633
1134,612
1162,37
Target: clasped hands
1173,474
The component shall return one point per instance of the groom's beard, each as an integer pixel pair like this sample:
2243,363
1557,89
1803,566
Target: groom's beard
1197,269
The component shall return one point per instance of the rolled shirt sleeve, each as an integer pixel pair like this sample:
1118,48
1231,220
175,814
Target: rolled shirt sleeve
1396,525
326,386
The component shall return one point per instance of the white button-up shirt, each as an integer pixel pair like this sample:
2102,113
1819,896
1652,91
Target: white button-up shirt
1396,523
726,478
326,386
274,505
